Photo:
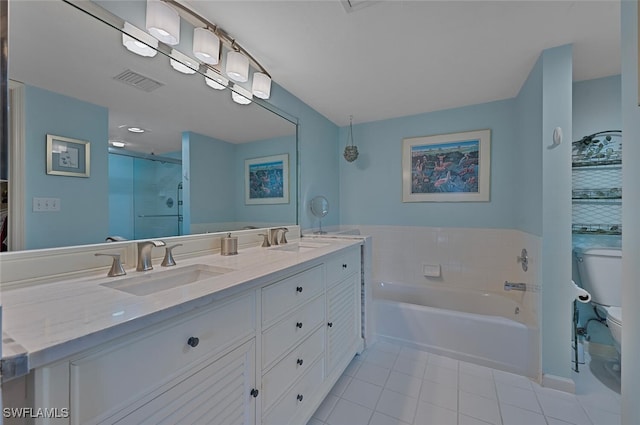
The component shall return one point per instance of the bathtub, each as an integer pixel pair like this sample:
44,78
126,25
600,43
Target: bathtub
478,327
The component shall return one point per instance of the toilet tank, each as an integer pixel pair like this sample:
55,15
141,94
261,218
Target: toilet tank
600,271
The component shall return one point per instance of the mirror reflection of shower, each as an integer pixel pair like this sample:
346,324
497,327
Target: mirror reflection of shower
319,208
145,194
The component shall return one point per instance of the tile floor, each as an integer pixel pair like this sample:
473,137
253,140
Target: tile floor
395,385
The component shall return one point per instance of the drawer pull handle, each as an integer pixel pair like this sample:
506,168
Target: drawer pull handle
299,325
193,341
298,288
300,361
254,393
300,397
330,324
344,266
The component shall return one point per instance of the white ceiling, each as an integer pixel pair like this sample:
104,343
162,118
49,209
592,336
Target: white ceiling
397,58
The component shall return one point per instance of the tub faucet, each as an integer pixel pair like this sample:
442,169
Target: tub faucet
515,286
144,254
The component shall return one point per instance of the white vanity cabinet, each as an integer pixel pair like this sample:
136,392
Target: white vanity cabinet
267,355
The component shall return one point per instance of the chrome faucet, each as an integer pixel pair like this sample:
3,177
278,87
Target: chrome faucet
144,254
273,235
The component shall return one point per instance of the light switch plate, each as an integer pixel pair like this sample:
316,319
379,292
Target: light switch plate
46,204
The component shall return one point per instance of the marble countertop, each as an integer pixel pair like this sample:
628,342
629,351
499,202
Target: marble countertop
51,321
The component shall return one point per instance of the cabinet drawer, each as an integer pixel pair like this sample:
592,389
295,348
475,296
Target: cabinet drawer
289,369
342,265
297,397
291,330
106,381
288,294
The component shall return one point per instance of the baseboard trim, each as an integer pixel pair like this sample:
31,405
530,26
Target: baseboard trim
559,383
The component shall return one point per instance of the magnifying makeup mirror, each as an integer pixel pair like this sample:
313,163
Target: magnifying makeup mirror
319,208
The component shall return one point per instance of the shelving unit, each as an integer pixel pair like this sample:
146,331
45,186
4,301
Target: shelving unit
597,184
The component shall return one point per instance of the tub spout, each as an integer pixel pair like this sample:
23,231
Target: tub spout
515,286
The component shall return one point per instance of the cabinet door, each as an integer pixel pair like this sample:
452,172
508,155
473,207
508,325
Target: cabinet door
343,324
216,393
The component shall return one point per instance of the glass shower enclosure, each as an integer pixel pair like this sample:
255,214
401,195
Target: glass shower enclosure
145,195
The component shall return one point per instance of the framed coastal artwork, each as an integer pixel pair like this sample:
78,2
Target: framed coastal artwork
452,167
267,180
68,157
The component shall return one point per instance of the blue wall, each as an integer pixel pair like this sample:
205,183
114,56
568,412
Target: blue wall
371,187
317,155
275,213
121,212
630,208
207,163
597,106
84,202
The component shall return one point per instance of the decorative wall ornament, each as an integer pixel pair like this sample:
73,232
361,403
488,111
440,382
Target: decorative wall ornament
350,151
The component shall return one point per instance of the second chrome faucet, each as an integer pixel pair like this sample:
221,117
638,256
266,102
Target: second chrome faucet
144,254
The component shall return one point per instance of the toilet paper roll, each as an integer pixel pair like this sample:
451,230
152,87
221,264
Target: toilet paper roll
581,294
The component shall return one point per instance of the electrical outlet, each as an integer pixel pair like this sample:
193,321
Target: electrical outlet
46,204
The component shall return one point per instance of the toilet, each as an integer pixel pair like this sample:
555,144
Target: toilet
600,271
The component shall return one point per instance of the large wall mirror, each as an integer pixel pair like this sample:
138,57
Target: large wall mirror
71,82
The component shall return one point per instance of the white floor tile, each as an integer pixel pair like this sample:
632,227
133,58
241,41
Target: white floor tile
373,373
440,395
353,367
441,375
340,385
380,419
348,413
602,417
413,367
519,397
362,393
443,361
430,414
314,421
552,421
477,385
323,412
381,358
476,370
512,415
601,399
404,384
387,347
562,408
479,407
413,354
512,379
397,405
468,420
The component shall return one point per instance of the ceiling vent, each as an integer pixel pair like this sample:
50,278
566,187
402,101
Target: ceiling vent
138,81
355,5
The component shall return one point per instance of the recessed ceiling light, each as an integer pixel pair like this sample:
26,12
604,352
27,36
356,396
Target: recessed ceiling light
135,129
117,144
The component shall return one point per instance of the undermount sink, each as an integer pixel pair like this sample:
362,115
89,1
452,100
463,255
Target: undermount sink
162,280
300,246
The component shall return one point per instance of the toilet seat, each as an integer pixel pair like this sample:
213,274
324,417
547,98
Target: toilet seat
614,315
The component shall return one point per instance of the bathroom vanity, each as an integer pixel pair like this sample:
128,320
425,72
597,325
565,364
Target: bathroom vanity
261,341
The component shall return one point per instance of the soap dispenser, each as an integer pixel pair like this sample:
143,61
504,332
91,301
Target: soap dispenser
229,245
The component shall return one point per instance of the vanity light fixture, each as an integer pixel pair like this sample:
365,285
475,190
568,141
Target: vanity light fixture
163,22
183,63
237,66
261,86
141,43
206,46
215,80
241,95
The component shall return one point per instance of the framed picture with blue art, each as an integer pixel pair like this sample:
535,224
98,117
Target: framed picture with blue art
452,167
267,180
68,157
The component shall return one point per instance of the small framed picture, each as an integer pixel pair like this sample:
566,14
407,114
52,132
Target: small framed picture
451,167
68,157
267,180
